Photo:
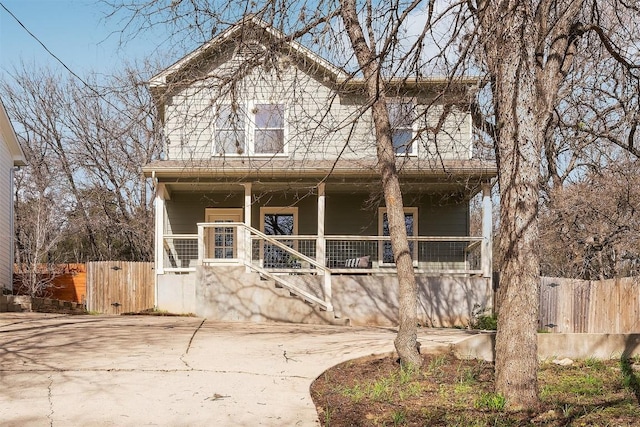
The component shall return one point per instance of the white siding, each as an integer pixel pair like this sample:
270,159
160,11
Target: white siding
318,122
6,238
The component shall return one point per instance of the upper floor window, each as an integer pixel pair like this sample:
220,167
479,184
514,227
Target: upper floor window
401,117
269,129
260,132
230,130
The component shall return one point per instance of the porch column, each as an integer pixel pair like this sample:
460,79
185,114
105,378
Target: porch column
486,252
320,241
161,193
246,239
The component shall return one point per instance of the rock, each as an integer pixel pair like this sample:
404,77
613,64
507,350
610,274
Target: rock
563,362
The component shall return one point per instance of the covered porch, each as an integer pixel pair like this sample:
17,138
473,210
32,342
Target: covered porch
324,242
297,238
438,232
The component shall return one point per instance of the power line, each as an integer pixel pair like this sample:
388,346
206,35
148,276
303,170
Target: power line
73,73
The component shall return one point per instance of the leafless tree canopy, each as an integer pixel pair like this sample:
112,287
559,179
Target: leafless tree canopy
83,196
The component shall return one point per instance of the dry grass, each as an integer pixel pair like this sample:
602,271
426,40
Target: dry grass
452,392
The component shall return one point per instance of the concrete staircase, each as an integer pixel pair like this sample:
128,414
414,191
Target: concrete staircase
231,293
330,317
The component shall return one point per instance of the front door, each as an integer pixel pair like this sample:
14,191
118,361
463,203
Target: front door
221,242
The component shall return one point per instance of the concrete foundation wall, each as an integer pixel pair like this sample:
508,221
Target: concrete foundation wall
558,346
373,300
232,294
442,301
176,293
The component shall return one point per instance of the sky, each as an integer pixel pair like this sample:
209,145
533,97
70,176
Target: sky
76,31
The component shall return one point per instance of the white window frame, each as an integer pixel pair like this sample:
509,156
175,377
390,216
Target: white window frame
407,210
251,108
413,147
250,129
235,214
215,131
281,210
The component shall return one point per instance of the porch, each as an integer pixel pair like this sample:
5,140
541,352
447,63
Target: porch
336,274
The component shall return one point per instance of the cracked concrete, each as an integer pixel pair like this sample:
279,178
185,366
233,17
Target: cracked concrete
173,371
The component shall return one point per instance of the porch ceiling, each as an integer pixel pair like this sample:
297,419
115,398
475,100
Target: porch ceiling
346,175
310,186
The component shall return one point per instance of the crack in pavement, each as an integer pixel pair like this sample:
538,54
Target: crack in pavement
125,370
189,344
49,388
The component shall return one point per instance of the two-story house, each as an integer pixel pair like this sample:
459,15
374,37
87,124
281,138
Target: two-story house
11,156
269,203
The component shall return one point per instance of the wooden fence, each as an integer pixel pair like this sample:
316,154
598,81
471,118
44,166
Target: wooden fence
65,282
115,287
608,306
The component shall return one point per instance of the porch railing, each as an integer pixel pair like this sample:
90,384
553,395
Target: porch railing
431,255
229,242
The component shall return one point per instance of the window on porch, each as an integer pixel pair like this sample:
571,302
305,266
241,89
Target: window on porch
278,221
411,224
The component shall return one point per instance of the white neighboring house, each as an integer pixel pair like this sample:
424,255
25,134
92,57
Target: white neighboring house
11,156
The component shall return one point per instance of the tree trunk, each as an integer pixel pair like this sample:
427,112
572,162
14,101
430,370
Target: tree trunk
510,42
407,339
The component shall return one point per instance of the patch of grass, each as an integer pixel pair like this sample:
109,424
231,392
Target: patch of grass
399,417
595,364
490,402
461,393
630,377
435,364
574,385
488,322
355,393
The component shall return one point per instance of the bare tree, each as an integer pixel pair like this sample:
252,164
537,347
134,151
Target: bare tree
533,55
591,226
84,185
40,224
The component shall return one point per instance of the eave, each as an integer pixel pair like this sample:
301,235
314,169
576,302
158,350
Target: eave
10,138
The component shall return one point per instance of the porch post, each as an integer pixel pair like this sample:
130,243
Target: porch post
246,235
486,252
320,241
159,227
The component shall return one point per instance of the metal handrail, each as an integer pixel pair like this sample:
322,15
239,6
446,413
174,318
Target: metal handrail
327,304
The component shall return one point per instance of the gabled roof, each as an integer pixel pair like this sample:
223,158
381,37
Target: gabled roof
9,136
250,21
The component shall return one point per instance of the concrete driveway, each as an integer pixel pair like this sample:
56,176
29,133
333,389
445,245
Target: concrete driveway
173,371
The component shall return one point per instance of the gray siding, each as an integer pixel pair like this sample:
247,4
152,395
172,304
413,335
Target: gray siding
346,213
186,210
6,214
437,215
319,122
